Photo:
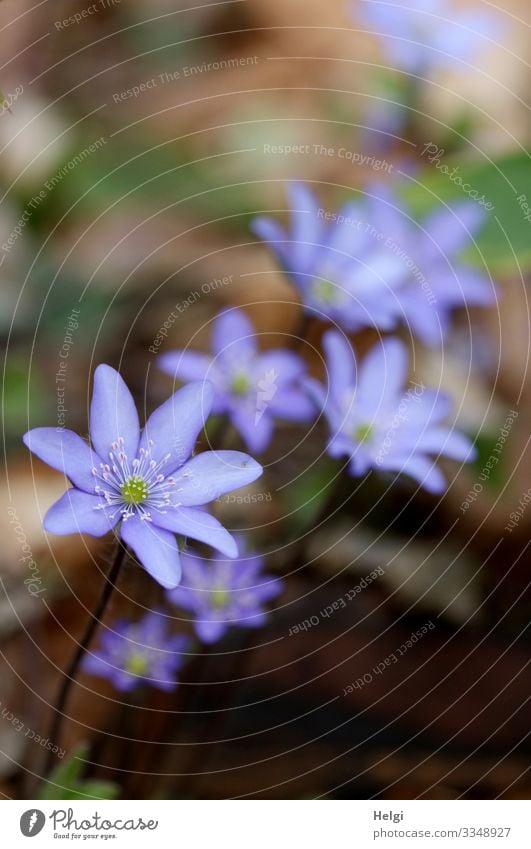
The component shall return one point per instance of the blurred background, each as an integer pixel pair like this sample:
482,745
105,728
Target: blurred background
137,140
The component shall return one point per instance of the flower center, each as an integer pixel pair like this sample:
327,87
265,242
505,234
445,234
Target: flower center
134,490
326,291
219,597
137,664
363,432
240,384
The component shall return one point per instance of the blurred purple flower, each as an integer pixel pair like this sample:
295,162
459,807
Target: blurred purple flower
370,264
341,274
419,35
252,388
143,479
386,120
376,423
136,653
224,593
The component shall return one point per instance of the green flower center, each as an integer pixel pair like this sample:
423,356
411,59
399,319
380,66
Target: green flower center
219,597
137,664
326,291
240,384
135,490
363,432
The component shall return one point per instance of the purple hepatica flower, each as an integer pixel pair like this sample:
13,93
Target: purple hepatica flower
341,274
135,653
386,119
223,593
423,34
375,423
252,387
369,264
143,479
436,280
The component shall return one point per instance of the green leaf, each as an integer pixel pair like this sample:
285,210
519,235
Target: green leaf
65,781
68,772
100,789
495,477
504,243
308,494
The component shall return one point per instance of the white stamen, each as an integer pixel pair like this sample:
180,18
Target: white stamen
115,476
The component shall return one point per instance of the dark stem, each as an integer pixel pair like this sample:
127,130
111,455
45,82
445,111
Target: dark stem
73,667
299,543
201,754
301,331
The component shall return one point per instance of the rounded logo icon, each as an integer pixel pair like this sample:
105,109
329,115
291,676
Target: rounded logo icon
32,822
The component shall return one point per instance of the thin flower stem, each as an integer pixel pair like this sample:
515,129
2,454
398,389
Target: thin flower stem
302,331
201,754
73,667
300,543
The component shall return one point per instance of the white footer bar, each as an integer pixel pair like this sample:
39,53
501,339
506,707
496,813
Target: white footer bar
266,824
